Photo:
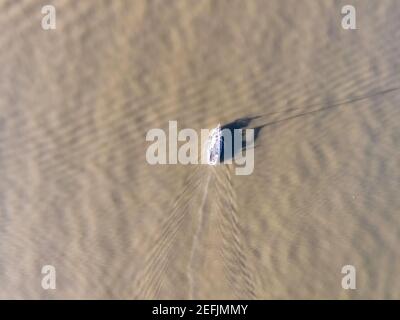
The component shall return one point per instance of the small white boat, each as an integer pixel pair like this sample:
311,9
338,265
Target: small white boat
213,146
